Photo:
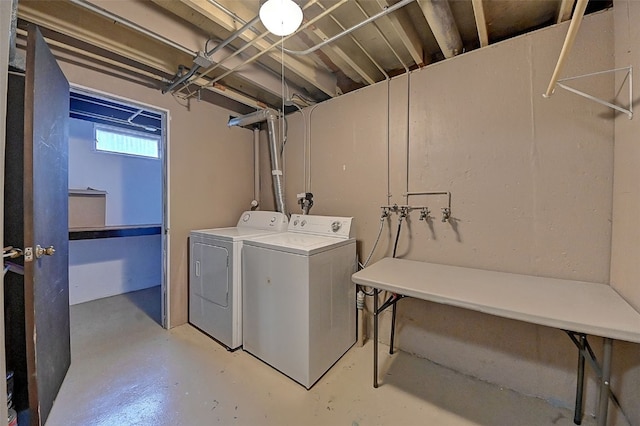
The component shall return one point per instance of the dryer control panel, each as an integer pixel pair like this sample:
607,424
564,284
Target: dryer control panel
331,226
259,219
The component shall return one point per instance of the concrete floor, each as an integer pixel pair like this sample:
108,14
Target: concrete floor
127,370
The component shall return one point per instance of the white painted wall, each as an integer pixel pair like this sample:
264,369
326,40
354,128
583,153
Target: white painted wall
133,184
625,247
109,266
105,267
531,180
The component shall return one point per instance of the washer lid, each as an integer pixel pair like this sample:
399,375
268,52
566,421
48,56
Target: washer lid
297,243
233,233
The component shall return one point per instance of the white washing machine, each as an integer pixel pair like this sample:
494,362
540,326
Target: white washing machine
215,274
299,306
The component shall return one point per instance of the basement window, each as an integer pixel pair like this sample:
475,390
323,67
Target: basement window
118,141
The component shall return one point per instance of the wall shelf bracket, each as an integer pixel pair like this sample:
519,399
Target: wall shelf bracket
628,77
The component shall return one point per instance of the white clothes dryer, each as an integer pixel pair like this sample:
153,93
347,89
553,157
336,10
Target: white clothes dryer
299,306
215,274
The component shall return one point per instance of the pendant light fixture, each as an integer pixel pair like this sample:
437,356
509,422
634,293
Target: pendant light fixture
281,17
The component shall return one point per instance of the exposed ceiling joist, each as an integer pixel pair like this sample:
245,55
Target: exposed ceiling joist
182,36
322,80
444,28
481,22
81,24
353,42
564,11
407,33
92,29
344,61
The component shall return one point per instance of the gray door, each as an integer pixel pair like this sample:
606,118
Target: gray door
36,217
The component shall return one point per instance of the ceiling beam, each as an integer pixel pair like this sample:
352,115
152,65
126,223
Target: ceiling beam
148,17
401,23
323,80
564,10
444,28
481,22
344,61
67,53
88,27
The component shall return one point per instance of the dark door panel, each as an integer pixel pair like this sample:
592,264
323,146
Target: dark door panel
36,215
46,224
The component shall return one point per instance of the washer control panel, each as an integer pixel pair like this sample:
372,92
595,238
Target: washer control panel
259,219
339,227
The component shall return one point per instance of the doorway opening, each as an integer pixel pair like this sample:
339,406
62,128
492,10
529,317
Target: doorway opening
118,201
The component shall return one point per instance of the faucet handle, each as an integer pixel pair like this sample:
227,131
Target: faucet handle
446,214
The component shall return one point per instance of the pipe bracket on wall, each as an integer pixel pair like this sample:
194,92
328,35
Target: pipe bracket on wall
628,77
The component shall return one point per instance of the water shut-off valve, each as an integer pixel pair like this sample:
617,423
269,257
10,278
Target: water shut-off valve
305,199
446,214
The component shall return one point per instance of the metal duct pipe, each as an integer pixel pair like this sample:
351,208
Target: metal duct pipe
269,116
252,118
256,166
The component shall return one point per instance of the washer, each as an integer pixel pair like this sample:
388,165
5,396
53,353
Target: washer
215,274
299,303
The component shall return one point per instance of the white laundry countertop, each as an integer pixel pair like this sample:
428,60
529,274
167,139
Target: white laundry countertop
579,306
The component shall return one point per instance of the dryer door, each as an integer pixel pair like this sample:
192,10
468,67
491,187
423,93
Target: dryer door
212,273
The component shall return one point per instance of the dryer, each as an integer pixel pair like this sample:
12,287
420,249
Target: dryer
215,274
299,306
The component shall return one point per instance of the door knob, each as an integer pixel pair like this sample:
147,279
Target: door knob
48,251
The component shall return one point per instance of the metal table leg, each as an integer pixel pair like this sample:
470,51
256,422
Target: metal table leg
605,382
577,416
393,328
375,338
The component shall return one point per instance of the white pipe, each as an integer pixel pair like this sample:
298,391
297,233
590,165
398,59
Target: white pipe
256,167
578,14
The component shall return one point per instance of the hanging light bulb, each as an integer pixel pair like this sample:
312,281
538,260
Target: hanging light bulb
281,17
